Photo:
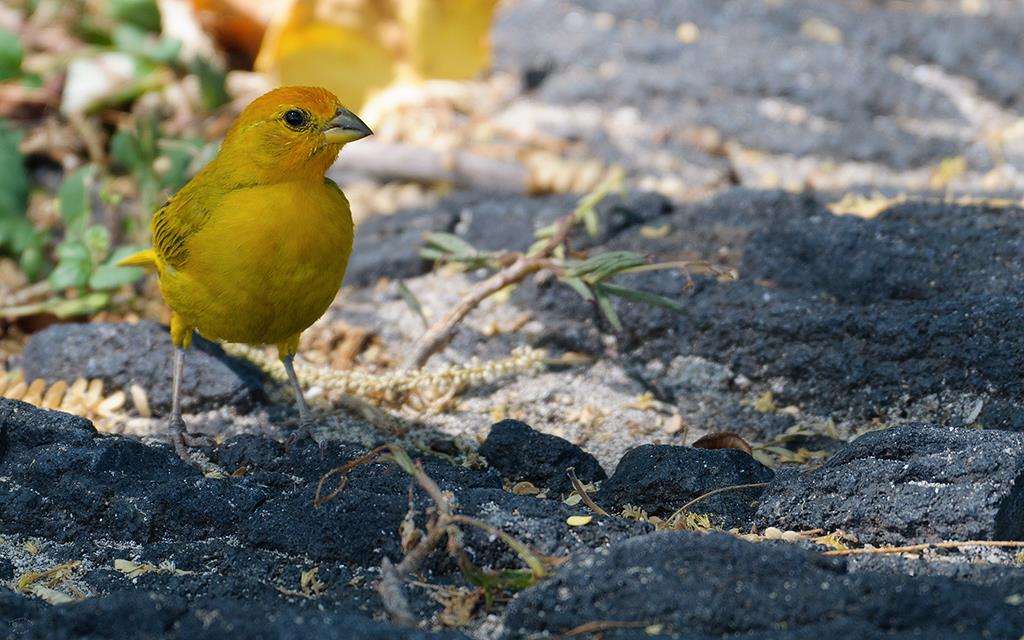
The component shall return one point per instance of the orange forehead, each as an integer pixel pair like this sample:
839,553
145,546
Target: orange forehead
318,101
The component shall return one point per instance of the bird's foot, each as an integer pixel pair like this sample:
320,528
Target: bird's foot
185,445
304,432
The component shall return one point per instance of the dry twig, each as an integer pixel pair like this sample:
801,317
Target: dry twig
924,546
441,332
734,487
578,486
442,523
597,626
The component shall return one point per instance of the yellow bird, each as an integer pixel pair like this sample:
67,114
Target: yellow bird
254,248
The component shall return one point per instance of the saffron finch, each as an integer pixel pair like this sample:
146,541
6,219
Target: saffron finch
254,248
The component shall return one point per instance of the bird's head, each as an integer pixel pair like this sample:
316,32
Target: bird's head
292,131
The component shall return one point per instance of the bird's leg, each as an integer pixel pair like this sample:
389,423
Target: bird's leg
306,422
180,438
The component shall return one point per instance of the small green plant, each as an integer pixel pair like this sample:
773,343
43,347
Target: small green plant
159,164
442,523
70,260
17,235
78,259
84,274
589,276
85,259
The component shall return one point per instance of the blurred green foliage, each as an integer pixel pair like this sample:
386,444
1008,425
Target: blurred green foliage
140,150
143,14
17,235
100,219
11,53
85,260
80,256
589,277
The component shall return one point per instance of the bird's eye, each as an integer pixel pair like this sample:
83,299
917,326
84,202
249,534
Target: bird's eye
295,118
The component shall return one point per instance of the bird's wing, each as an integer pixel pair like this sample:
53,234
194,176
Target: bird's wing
173,224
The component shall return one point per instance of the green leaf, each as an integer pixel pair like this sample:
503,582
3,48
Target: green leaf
182,154
11,54
69,274
81,306
130,39
73,198
72,250
111,276
546,231
536,247
500,580
13,177
591,222
62,307
586,207
412,301
165,50
124,151
645,297
97,240
608,309
74,265
17,235
451,244
142,13
580,287
212,88
32,257
604,265
432,254
123,251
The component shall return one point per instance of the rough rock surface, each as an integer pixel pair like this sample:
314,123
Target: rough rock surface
683,585
242,542
520,453
848,317
834,325
124,354
389,246
661,478
914,483
695,94
129,615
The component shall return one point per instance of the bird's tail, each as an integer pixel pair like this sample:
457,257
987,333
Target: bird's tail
144,258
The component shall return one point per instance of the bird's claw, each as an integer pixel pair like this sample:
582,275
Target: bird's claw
183,442
303,432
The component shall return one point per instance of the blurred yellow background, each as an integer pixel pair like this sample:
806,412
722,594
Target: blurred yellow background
355,48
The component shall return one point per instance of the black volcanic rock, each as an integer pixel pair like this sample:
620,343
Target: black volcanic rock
908,484
661,478
689,586
519,452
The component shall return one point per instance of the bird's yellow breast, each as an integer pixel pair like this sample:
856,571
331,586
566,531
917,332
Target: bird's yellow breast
266,264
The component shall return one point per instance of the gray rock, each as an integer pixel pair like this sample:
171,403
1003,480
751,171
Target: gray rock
661,478
125,354
685,585
389,245
914,483
693,373
858,318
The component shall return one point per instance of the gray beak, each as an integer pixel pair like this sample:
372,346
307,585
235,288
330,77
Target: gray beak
345,127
